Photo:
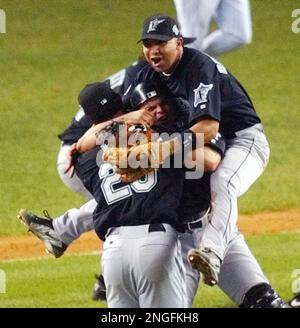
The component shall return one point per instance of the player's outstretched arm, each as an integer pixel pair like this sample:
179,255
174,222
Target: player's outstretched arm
88,140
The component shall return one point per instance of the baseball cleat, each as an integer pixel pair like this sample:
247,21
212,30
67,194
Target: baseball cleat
43,229
99,290
206,262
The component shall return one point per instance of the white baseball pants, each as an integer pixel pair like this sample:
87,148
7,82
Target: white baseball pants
233,18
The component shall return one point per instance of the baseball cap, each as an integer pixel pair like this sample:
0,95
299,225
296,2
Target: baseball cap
163,28
99,101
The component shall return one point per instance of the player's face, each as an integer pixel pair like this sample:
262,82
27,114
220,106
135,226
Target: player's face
156,111
163,56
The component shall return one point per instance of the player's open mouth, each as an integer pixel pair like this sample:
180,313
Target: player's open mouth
156,60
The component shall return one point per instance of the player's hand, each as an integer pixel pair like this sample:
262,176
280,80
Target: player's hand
70,170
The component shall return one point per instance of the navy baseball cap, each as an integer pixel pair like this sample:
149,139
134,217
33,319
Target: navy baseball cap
163,28
99,101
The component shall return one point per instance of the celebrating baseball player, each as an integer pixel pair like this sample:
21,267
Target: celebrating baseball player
233,19
119,82
217,102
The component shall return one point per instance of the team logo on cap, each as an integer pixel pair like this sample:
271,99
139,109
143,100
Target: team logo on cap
151,94
200,93
103,101
153,24
175,30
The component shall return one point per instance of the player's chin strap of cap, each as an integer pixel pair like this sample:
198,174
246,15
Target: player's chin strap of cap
196,221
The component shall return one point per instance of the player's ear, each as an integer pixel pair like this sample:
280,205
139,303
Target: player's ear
179,42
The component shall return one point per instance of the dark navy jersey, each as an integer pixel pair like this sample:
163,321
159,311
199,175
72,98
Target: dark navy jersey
210,89
119,82
77,128
153,199
195,198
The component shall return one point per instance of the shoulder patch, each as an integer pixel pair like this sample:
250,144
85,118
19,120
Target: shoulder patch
200,93
220,67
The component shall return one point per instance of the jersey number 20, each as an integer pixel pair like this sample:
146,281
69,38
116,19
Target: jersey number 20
114,192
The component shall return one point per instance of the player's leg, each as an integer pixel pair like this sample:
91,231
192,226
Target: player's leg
242,279
76,221
194,17
142,267
234,27
57,234
244,161
161,278
120,292
74,183
189,240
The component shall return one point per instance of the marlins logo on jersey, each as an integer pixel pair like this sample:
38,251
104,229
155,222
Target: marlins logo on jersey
200,93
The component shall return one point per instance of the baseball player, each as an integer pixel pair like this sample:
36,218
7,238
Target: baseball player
217,102
251,288
141,260
119,82
233,19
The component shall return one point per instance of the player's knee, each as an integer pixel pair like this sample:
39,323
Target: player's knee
238,39
262,296
244,37
220,181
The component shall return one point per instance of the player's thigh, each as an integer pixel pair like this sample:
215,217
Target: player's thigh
119,293
161,273
111,260
238,170
194,16
157,253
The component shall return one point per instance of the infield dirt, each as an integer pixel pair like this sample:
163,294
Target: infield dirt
28,246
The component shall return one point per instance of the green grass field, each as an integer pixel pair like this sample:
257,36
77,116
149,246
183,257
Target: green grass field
68,281
53,48
50,51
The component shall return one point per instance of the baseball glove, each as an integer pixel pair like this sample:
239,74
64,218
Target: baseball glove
136,161
119,138
122,134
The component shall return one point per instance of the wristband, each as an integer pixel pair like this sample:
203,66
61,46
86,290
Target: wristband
189,140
